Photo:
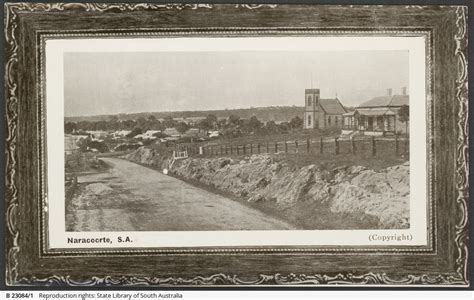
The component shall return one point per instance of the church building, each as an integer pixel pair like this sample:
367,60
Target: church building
322,113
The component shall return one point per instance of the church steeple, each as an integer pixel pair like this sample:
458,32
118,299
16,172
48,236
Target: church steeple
311,108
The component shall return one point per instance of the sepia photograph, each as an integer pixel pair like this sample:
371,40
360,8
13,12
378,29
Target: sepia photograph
236,140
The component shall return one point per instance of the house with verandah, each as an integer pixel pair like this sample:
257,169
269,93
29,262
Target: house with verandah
379,116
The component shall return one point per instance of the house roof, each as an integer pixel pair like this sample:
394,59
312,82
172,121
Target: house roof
351,113
387,101
332,106
374,111
171,131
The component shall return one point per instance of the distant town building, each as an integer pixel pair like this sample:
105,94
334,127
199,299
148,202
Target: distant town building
195,132
172,132
97,135
71,143
192,121
121,133
148,135
322,113
214,133
378,116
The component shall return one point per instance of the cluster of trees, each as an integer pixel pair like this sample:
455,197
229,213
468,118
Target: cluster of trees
113,124
88,144
234,125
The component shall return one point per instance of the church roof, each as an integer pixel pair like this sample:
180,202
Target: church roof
387,101
332,106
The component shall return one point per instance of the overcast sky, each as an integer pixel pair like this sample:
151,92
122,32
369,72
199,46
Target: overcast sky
109,83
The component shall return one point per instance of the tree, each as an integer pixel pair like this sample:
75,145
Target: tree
404,116
254,124
142,123
283,127
182,127
100,125
296,122
222,123
271,127
128,124
234,120
113,123
153,123
208,123
168,122
70,127
212,119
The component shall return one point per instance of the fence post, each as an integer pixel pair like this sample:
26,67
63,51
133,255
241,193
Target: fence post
237,148
307,145
258,148
396,145
286,147
321,146
336,143
353,146
296,146
268,150
222,150
245,150
226,149
276,147
374,150
251,148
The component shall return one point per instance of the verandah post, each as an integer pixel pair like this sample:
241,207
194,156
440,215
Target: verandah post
374,150
396,145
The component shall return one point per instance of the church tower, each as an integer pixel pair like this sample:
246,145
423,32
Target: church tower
311,111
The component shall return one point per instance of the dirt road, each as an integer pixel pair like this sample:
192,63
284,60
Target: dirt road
130,197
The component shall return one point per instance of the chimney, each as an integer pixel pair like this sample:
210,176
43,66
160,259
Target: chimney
389,92
404,91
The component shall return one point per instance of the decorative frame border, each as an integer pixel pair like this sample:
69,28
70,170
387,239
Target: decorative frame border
12,201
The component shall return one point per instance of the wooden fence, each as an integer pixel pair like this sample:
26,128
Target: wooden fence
365,146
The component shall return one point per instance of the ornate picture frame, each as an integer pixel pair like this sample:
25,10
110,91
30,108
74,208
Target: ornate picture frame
442,262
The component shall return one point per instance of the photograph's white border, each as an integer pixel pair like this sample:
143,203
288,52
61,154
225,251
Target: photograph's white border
54,74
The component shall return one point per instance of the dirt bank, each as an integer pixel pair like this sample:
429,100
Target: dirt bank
313,196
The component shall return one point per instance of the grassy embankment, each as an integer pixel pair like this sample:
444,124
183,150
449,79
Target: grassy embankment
303,213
